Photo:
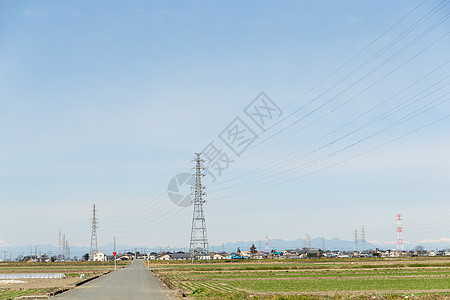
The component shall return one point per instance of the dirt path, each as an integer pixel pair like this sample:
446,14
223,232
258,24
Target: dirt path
39,283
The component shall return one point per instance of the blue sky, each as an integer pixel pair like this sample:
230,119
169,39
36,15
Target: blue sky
105,101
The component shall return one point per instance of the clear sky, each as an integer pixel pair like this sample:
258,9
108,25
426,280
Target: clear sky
105,101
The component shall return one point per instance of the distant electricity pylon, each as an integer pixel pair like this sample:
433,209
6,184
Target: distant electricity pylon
399,232
94,247
66,248
266,249
307,242
356,240
199,239
59,256
63,246
363,238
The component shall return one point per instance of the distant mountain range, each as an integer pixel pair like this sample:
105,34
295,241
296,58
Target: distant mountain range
329,244
277,244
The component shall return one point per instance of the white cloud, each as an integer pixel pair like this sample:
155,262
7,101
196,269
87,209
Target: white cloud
4,244
435,241
387,243
382,243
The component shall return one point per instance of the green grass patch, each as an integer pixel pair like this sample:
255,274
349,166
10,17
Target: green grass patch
285,279
6,294
354,284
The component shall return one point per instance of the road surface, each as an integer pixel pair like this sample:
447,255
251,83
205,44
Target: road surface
132,282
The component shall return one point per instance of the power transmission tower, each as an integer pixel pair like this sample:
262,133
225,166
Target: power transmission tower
399,232
59,244
323,243
63,256
266,249
363,238
356,240
307,242
94,247
199,239
67,250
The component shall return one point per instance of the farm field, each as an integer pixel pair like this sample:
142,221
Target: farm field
377,278
9,289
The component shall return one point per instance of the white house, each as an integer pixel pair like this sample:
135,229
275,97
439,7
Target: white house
99,256
219,256
164,257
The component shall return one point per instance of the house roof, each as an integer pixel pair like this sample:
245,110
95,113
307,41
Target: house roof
180,255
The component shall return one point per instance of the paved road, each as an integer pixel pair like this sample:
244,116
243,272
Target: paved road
132,282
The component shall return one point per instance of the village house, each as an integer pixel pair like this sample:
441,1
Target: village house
246,254
99,256
152,256
291,254
221,255
163,256
124,256
180,256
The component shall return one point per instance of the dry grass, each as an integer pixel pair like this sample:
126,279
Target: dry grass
404,278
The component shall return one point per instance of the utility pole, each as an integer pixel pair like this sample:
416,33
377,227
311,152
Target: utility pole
94,246
199,239
115,266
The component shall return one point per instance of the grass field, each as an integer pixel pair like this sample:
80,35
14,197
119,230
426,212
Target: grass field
378,278
72,270
13,293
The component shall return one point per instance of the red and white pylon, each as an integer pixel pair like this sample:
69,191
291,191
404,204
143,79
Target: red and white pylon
399,232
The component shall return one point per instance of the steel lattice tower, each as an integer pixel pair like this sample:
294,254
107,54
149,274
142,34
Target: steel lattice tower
266,249
94,246
399,232
363,238
199,239
59,245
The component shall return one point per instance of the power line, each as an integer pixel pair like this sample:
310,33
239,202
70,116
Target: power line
373,121
266,186
276,163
